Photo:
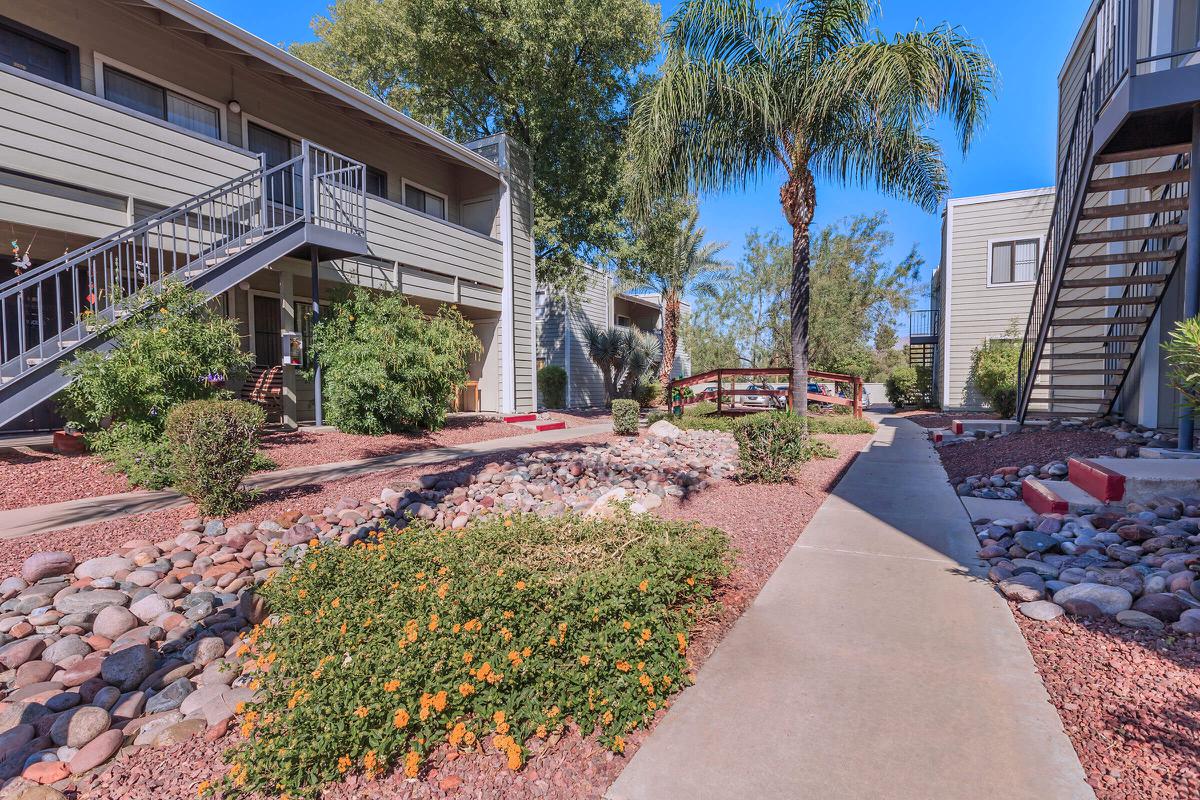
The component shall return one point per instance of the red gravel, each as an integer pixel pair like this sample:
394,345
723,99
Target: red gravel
936,419
34,477
1018,449
763,522
1129,700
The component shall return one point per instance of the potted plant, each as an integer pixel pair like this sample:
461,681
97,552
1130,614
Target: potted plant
70,441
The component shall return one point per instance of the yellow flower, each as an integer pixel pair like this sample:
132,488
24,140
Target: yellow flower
400,718
344,763
361,712
412,764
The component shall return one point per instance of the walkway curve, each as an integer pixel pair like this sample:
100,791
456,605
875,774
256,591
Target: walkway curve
877,662
54,516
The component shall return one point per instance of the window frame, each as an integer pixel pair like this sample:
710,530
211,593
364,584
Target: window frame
102,62
405,183
1013,241
72,51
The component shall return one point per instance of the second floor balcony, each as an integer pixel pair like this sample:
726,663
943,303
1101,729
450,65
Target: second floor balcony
923,325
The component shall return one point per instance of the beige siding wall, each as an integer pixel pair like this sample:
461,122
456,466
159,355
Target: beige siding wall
975,310
524,279
560,332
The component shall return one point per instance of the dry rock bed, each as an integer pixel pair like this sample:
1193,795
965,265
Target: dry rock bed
1109,603
144,647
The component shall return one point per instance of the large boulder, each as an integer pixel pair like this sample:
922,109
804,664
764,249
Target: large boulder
47,565
127,668
665,430
1109,600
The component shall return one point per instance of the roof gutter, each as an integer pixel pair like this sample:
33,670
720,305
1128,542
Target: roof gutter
258,48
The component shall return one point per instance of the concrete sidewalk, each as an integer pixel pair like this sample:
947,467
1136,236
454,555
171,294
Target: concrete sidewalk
41,519
876,663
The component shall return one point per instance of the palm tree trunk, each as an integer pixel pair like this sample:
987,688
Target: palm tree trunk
669,341
799,198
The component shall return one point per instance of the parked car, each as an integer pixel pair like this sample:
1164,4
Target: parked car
760,400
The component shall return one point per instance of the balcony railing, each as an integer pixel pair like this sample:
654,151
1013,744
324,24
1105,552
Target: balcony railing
923,323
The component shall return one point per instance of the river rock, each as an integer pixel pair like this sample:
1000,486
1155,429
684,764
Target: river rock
1108,599
47,565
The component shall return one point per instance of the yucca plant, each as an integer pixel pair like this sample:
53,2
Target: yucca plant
624,356
1182,349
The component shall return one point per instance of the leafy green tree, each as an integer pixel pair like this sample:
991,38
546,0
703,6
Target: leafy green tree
671,263
557,77
857,293
810,90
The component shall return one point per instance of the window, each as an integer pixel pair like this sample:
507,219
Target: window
539,304
35,53
1014,262
376,182
426,202
622,321
277,147
148,98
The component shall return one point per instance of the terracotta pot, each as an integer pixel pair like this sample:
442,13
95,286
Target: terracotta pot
69,444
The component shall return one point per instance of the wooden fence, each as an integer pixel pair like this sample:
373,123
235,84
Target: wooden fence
726,398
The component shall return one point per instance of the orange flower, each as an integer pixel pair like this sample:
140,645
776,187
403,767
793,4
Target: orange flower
508,615
626,625
618,744
608,717
691,581
514,757
335,602
520,586
361,712
507,522
623,666
643,586
303,593
344,763
526,652
433,622
391,686
412,764
682,643
457,733
467,656
441,591
498,718
466,689
645,634
400,718
439,701
540,732
584,660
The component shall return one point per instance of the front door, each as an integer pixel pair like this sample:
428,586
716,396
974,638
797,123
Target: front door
267,331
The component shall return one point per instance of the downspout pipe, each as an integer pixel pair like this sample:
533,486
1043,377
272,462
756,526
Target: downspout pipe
1191,271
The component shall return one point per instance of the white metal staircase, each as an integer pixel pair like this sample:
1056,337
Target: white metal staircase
1116,238
211,242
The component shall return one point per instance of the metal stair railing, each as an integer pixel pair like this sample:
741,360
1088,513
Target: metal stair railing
52,308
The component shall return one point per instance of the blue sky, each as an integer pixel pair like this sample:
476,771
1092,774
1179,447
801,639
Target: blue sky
1027,39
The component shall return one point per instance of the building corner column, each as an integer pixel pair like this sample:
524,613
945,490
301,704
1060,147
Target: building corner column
508,353
287,320
315,291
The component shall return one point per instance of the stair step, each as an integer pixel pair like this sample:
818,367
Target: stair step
1036,414
33,362
1123,258
65,343
1125,280
1148,152
1096,479
1100,321
1080,372
1079,386
1098,356
1091,340
1139,180
1131,234
1135,209
212,262
1056,497
1091,302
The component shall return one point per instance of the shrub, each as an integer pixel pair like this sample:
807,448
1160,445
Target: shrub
840,425
647,392
386,366
380,653
625,417
700,408
172,348
136,449
552,386
213,447
1182,350
772,444
994,373
901,386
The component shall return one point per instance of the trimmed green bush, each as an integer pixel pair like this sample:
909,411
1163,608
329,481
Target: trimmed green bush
386,366
136,449
772,444
901,386
994,373
552,386
700,408
625,417
213,447
839,425
487,640
1182,349
647,392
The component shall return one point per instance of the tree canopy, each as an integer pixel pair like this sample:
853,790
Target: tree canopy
559,77
856,295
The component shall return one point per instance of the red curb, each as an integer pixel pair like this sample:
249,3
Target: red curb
957,427
1098,481
521,418
550,426
1042,499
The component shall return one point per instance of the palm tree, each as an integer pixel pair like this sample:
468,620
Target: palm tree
683,263
810,90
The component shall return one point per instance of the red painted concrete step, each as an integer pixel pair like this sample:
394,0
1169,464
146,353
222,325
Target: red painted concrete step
1041,498
520,418
550,426
1098,481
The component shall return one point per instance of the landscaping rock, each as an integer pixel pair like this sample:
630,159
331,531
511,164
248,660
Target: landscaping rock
127,668
47,565
1041,610
1108,599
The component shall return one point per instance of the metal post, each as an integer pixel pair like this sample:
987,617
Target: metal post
1191,272
316,315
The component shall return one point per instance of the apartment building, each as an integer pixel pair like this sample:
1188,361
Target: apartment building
560,326
982,288
148,139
